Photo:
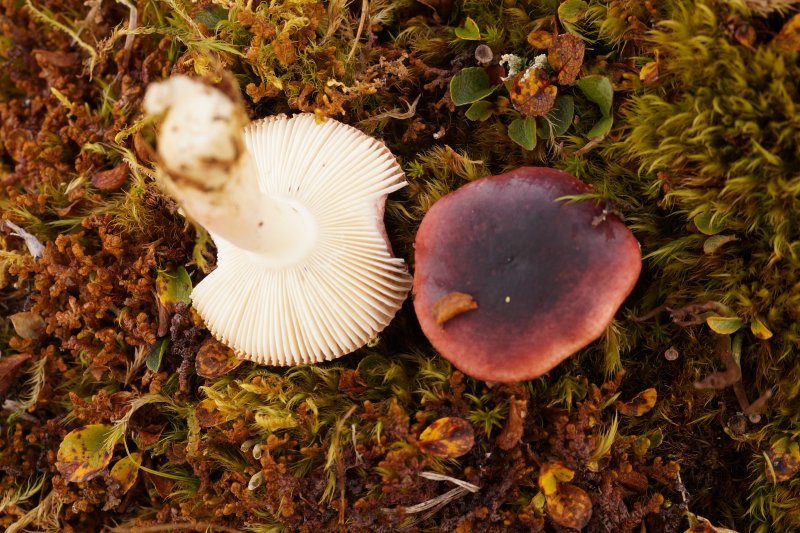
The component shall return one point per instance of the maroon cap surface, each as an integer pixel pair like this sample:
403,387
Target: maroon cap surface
546,280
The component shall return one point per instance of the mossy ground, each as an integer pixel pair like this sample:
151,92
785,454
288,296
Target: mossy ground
703,161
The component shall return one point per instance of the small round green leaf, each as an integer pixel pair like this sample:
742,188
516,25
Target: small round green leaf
572,11
598,89
523,132
470,85
708,224
480,110
601,127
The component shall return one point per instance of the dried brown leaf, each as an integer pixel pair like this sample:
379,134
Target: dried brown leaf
566,57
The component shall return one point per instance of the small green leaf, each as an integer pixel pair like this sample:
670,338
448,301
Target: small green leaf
598,89
82,455
760,330
724,325
480,110
174,287
523,132
156,354
470,85
601,127
559,119
469,32
708,224
572,11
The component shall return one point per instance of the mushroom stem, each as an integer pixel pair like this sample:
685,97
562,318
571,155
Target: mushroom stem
209,170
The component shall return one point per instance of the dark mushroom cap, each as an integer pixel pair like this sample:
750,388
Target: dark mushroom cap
547,276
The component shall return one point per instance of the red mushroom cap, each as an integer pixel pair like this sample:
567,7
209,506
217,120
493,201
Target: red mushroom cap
547,276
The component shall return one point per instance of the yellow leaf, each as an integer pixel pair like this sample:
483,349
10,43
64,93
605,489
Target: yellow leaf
447,437
126,470
82,454
639,404
760,330
649,73
541,39
551,474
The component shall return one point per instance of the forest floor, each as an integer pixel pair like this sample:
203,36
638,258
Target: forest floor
120,412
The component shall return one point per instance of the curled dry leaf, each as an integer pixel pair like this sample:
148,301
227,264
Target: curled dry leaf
28,325
451,305
82,454
649,73
532,94
566,57
112,179
447,437
126,470
214,359
514,428
570,507
639,404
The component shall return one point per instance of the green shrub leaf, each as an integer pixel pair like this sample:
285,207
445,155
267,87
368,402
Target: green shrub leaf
470,85
558,120
480,110
572,11
598,89
523,132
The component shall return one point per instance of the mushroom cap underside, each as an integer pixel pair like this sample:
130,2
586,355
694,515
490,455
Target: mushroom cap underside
348,286
546,276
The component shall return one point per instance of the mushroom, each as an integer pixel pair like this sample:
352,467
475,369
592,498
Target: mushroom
545,276
305,272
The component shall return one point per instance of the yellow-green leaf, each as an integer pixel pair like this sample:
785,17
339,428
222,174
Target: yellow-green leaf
639,404
126,470
724,325
470,31
82,454
447,437
708,224
173,287
760,330
551,474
